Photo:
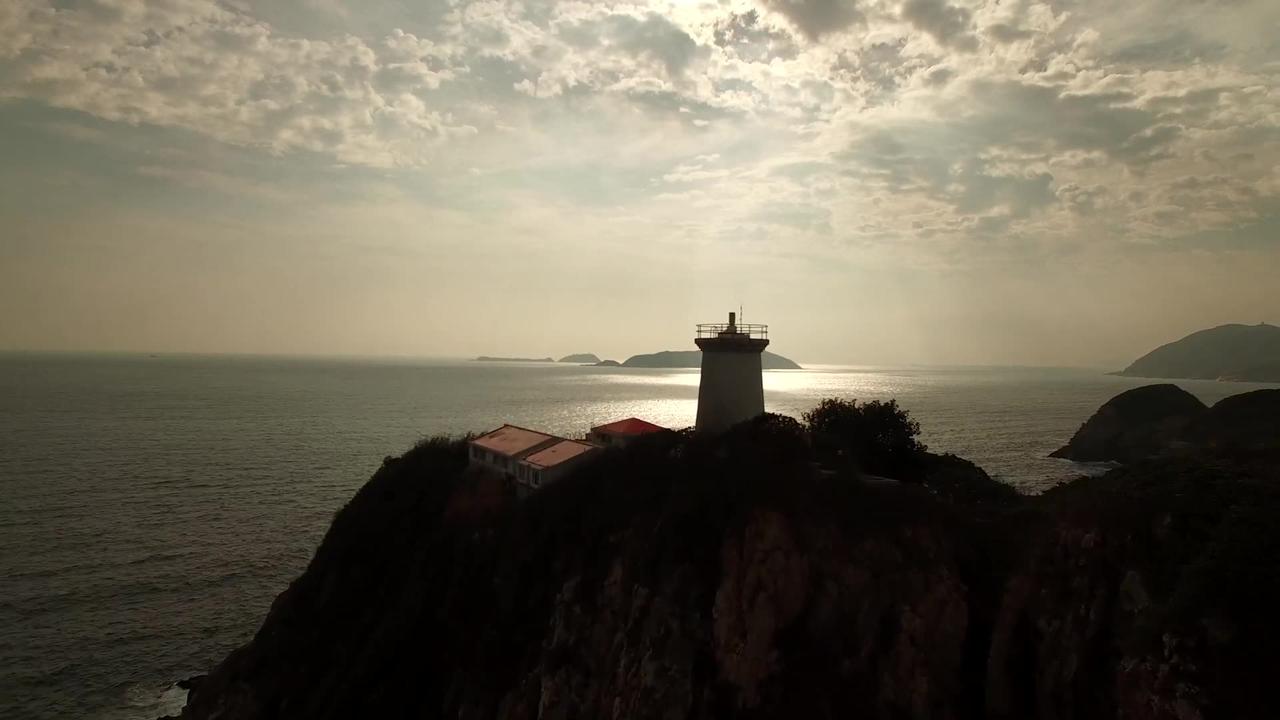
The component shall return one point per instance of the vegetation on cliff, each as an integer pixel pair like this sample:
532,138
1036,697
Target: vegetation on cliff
740,575
1226,352
1164,578
874,437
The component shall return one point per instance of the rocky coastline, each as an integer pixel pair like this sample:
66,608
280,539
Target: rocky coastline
1157,420
738,576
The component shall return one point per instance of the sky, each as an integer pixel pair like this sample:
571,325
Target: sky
1064,183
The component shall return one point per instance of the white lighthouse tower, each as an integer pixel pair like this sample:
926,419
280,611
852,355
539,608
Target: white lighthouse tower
731,389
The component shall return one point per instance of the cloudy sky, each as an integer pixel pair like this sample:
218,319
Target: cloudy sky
929,181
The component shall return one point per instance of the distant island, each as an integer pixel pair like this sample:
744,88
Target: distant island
608,363
693,359
486,358
1243,353
581,358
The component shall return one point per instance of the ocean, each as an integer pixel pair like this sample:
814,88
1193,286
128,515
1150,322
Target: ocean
153,506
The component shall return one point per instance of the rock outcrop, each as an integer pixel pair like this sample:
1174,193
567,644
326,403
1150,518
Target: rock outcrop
1135,424
1147,595
687,577
1247,420
1164,419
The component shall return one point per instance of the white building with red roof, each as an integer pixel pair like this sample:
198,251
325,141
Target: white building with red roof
502,450
622,432
528,458
552,463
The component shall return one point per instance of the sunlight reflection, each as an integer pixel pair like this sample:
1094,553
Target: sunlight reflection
679,378
822,382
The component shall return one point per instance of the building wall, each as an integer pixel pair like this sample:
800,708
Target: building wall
494,461
730,390
525,476
535,477
549,475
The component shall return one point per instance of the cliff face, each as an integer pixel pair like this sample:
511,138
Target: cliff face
782,629
685,578
1150,594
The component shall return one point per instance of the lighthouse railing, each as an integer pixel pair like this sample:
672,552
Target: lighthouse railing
711,330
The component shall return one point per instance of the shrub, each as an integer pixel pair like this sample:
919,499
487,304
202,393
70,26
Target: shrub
874,437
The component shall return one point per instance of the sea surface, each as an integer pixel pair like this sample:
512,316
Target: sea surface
153,506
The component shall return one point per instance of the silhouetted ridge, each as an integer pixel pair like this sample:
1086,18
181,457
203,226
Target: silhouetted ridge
1163,419
1226,352
693,359
1247,420
1135,424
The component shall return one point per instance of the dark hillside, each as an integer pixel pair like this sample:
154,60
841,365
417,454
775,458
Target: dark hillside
1227,352
709,577
1133,425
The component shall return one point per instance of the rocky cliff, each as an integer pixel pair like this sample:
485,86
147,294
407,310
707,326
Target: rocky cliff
1165,419
1247,420
689,577
1133,425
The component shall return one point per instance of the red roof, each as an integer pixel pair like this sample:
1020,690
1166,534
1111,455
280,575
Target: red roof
630,426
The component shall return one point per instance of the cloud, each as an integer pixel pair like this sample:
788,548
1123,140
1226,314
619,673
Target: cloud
799,216
829,151
202,67
218,182
1006,33
816,18
653,36
1046,118
749,38
1032,118
948,24
938,163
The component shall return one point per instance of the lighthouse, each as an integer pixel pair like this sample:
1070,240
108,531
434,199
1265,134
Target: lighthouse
730,389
